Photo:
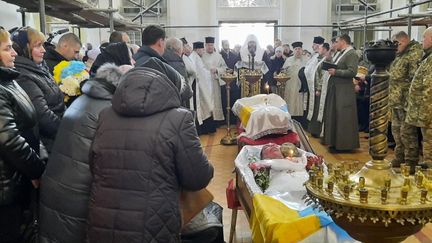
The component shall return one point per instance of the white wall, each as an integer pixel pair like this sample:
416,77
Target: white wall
192,13
206,12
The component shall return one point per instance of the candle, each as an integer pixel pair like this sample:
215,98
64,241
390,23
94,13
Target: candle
267,87
320,181
346,192
363,195
423,195
387,183
361,182
384,195
330,186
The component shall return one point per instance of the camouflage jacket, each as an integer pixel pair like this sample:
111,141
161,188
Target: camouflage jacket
402,72
420,94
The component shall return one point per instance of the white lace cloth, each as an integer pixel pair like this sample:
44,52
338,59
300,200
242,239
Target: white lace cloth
268,115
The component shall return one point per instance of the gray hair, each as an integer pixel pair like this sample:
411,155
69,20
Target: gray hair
174,44
109,72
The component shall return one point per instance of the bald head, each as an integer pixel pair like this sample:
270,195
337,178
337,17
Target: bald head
427,38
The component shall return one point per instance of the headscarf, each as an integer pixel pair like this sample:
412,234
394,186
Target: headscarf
244,52
117,53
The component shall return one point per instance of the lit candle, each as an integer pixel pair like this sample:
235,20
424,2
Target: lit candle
267,87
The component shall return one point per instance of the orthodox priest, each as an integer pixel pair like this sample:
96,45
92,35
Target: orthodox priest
203,97
293,96
340,112
190,68
253,57
214,62
310,71
315,90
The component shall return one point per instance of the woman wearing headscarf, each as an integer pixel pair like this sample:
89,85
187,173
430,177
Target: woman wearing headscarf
276,63
117,53
38,83
19,143
68,178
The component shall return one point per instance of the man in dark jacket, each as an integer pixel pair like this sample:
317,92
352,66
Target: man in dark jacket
153,45
67,177
67,49
230,57
153,39
145,152
173,55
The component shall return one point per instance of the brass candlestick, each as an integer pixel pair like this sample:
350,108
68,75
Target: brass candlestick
229,139
281,80
383,206
250,82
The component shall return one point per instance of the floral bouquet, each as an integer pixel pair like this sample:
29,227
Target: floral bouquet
261,174
314,160
68,75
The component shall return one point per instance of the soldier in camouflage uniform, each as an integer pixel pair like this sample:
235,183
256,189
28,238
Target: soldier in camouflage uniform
402,72
419,111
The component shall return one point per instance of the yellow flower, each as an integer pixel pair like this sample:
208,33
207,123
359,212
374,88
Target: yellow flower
58,70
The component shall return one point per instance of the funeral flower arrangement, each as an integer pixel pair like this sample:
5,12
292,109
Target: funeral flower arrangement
68,75
286,157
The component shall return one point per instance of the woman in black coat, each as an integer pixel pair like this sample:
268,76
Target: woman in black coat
19,143
146,150
117,53
276,63
38,83
66,182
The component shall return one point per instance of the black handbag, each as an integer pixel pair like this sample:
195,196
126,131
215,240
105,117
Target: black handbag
31,231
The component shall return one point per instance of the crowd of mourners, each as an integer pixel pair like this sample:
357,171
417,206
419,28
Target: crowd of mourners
109,139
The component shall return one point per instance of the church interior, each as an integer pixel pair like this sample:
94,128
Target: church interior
215,121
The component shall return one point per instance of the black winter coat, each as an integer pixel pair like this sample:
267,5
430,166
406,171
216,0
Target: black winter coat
52,58
176,62
45,95
144,53
19,141
146,150
66,182
117,53
182,86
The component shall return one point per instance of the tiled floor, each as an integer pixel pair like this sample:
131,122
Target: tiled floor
222,157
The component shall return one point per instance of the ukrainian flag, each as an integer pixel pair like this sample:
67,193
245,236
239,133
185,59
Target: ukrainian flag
272,221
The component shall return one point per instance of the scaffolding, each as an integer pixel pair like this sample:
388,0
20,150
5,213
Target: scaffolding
84,15
76,12
409,19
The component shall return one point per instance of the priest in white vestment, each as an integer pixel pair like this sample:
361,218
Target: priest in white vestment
310,71
203,86
191,73
214,62
251,50
292,95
